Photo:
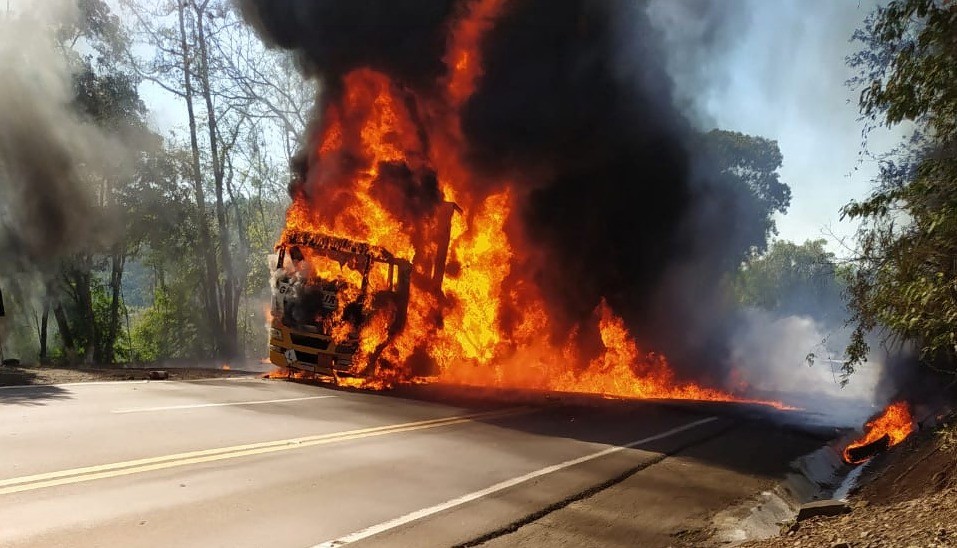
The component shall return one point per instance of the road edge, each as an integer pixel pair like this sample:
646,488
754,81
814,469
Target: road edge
592,491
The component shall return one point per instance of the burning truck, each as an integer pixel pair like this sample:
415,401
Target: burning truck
327,290
458,214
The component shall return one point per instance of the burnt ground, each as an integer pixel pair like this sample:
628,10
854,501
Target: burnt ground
907,497
34,375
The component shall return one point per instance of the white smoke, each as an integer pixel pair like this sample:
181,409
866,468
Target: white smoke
777,70
799,359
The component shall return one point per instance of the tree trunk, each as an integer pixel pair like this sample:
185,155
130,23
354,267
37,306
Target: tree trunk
211,291
44,330
113,327
244,247
69,346
228,297
84,302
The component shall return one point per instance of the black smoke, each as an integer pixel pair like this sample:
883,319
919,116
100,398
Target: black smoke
575,104
576,90
403,38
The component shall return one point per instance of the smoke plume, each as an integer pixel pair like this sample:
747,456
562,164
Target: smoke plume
744,66
575,112
48,154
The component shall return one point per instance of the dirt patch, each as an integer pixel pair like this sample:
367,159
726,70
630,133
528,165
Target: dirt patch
925,521
29,376
908,497
925,464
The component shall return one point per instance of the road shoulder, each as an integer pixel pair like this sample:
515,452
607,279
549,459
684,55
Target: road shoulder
671,502
51,376
908,497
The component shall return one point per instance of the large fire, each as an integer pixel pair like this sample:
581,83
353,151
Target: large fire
895,423
383,155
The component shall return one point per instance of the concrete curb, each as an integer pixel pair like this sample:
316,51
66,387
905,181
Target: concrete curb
814,477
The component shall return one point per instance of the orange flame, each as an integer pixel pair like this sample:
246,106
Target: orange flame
895,422
283,373
488,324
463,57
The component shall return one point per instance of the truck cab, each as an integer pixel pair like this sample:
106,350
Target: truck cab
325,289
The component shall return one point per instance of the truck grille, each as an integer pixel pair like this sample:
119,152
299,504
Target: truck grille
311,342
311,359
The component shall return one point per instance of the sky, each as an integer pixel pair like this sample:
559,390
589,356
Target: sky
777,69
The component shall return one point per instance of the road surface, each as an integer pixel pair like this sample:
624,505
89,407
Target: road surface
272,463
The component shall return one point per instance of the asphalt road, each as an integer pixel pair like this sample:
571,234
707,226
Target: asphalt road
271,463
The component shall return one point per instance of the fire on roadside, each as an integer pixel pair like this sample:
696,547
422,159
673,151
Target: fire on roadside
283,373
886,430
490,324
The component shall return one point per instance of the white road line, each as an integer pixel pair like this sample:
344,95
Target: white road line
252,377
205,405
426,512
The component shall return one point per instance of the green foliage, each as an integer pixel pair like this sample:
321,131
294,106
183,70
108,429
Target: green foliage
755,161
18,339
100,305
750,166
138,290
908,66
169,328
906,275
793,279
105,95
111,100
98,27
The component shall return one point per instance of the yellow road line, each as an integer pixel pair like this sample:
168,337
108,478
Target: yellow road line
90,473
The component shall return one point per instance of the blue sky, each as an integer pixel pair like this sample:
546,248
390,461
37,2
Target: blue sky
776,68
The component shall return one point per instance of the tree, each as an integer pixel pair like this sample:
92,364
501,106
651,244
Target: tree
241,103
177,34
793,279
275,98
905,277
192,215
750,165
111,101
87,297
